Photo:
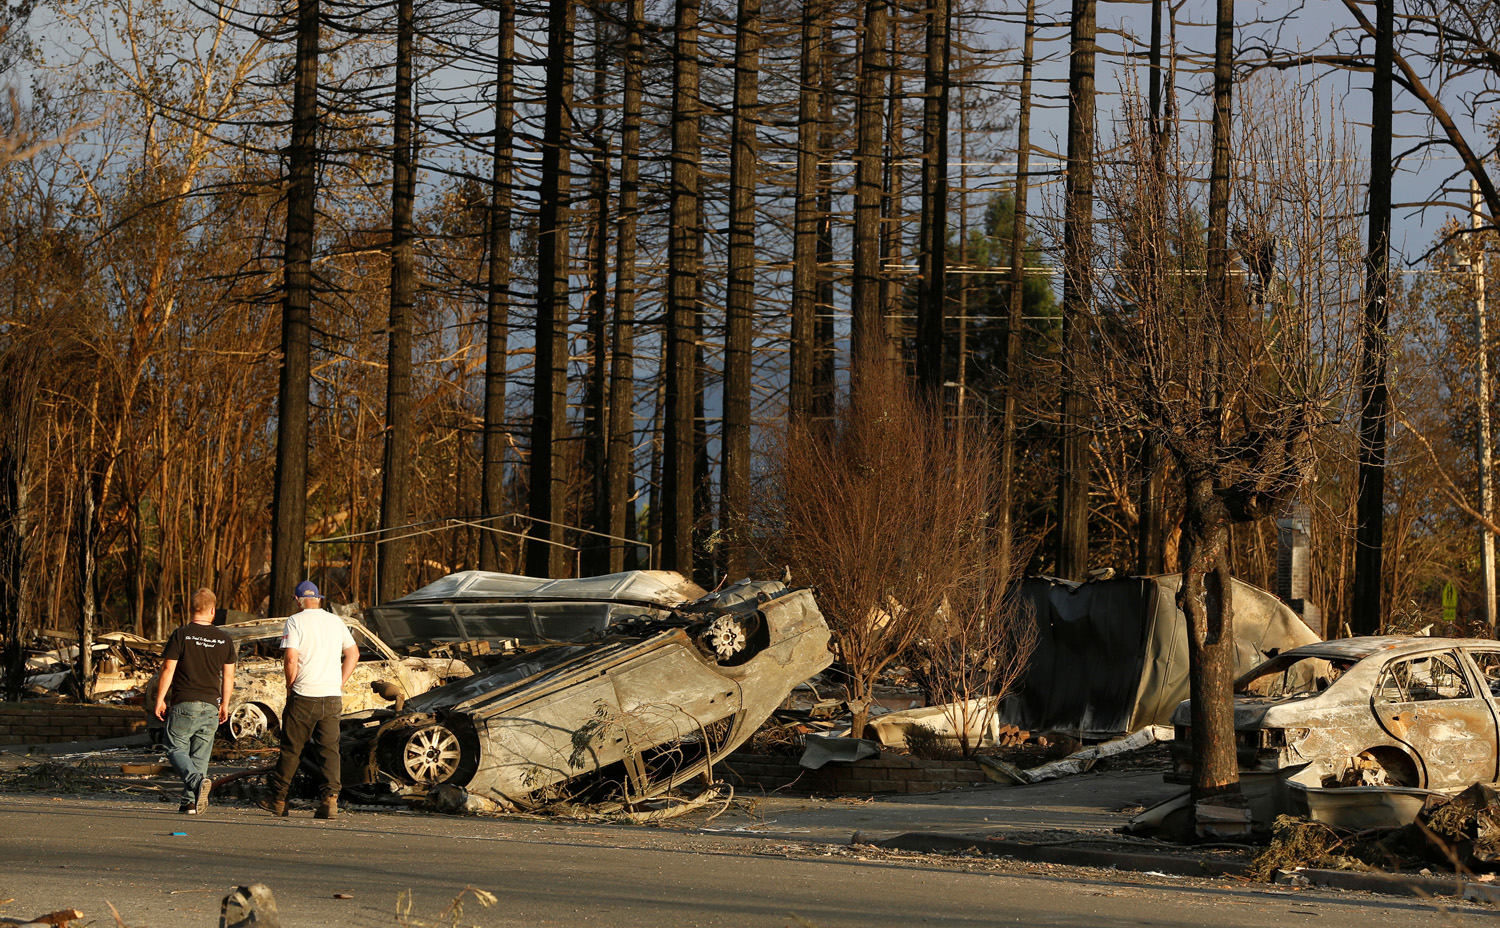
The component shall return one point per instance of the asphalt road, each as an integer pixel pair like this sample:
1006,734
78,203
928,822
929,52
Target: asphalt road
84,852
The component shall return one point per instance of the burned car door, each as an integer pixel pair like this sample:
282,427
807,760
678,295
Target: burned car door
676,710
1427,703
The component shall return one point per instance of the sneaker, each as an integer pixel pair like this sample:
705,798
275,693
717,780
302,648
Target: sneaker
204,788
327,808
187,808
273,806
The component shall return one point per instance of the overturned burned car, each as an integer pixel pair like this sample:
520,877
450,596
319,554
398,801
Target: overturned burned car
662,694
1396,717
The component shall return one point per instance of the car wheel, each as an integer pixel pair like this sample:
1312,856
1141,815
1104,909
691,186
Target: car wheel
431,755
247,720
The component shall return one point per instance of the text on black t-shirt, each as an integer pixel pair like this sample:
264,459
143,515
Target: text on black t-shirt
201,651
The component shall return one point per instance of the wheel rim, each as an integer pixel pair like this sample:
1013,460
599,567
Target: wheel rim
726,635
431,755
247,721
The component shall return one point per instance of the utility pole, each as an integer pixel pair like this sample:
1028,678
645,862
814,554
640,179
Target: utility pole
1486,454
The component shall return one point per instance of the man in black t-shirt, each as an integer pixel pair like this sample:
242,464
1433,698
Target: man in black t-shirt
197,677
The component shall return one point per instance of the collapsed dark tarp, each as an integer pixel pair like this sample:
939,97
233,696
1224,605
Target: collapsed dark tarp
1111,655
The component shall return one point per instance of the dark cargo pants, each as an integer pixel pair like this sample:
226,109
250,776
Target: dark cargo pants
314,719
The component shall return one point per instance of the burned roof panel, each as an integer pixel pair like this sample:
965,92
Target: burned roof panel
1360,648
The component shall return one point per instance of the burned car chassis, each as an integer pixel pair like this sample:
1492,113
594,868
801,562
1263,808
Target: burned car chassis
647,708
1362,730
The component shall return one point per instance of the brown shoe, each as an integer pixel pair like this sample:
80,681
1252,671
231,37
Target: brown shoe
327,808
273,806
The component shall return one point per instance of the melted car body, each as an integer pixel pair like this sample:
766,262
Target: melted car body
645,708
1367,712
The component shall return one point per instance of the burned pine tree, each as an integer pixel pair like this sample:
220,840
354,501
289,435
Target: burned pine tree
397,469
620,461
739,309
684,268
289,509
498,289
803,335
546,556
867,329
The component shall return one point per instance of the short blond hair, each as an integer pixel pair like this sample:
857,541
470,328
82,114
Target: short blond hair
203,601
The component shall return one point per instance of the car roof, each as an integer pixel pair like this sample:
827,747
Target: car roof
1360,648
257,628
663,588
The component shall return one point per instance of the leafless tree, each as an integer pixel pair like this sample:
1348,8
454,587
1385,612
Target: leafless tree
1239,381
886,510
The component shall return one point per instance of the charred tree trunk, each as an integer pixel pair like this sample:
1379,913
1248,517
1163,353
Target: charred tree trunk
1205,600
805,223
1151,532
15,516
684,266
498,296
596,420
704,565
1078,218
867,332
893,182
1005,522
86,531
621,459
739,306
1367,609
825,352
932,291
1205,597
398,439
1151,529
549,404
289,506
654,527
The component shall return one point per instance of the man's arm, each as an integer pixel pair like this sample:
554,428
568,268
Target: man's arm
228,691
163,686
291,660
351,657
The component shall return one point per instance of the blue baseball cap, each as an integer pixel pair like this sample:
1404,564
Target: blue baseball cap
307,590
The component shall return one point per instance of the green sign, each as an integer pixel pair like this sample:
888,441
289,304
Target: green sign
1450,603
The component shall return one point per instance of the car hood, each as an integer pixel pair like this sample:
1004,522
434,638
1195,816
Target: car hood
1258,711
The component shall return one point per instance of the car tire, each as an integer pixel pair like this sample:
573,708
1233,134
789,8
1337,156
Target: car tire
430,753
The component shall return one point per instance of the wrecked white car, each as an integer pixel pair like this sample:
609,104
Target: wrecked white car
260,680
1386,712
656,702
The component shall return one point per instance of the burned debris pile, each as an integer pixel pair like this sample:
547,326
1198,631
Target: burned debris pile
1459,835
123,665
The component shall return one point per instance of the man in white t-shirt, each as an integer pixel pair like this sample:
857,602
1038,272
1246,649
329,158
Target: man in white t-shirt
319,655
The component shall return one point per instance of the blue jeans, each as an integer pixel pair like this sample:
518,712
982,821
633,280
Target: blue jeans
190,741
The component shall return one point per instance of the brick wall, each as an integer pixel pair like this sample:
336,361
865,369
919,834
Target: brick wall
30,723
888,773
